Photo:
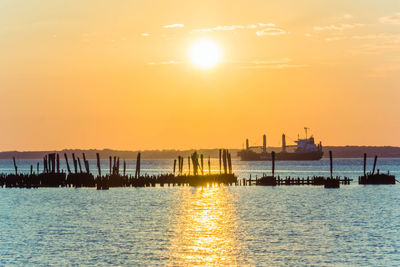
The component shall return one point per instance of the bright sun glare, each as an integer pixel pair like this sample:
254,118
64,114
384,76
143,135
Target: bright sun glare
205,54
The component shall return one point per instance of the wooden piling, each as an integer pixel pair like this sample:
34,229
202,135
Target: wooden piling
189,164
110,164
220,155
202,164
225,161
75,165
229,162
373,170
331,163
31,169
273,163
15,166
58,163
137,173
80,167
175,164
98,163
124,167
45,164
66,161
37,167
365,163
181,171
86,163
209,165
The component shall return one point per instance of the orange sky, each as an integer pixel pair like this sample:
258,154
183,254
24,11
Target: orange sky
116,74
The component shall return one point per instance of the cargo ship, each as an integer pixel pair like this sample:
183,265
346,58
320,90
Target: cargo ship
305,149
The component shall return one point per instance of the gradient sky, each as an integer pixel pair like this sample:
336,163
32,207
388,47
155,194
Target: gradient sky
116,74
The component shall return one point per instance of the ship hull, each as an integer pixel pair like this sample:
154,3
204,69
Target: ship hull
248,155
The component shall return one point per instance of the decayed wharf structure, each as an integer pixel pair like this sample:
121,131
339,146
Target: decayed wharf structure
197,174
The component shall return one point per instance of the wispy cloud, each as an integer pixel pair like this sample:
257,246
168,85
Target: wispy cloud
337,27
386,46
334,38
145,34
276,66
283,63
271,31
393,19
177,25
389,36
263,29
234,27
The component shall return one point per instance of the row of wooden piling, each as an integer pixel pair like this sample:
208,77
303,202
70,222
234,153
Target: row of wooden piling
53,177
196,161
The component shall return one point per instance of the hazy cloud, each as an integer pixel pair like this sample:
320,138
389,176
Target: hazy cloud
393,19
276,66
377,36
283,63
145,34
234,27
271,31
334,38
178,25
337,27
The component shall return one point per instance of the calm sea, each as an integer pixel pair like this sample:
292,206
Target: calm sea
280,226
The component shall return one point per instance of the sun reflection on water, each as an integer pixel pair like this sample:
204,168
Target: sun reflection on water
205,232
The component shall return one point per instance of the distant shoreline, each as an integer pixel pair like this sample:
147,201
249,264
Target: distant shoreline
338,152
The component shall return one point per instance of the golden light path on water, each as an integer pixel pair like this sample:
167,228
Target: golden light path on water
205,231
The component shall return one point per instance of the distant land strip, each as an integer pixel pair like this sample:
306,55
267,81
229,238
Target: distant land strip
338,152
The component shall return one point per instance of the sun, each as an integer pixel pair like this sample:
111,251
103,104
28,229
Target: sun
204,54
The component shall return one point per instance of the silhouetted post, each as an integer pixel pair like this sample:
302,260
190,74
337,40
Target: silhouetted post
118,165
37,167
175,165
15,166
365,163
52,160
273,163
114,164
86,163
31,169
80,167
98,163
220,155
330,162
373,170
180,165
209,165
66,161
229,162
124,167
87,166
137,174
224,162
74,161
110,165
189,164
58,163
202,164
45,164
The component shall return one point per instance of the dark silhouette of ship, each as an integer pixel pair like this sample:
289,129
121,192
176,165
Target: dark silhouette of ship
305,149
